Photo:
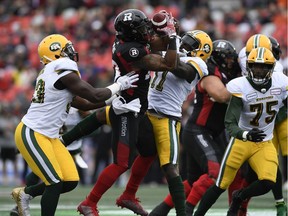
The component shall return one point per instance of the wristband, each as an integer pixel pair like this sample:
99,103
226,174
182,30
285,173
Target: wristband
114,88
244,136
172,44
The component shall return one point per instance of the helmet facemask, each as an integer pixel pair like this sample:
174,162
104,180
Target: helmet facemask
69,51
189,45
260,73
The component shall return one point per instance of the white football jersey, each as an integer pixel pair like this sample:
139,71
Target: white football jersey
167,92
242,58
260,108
49,106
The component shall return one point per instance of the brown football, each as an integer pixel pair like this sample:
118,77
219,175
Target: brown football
159,20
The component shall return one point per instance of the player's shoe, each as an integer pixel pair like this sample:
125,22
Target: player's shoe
14,211
22,199
160,210
281,209
235,204
87,208
131,203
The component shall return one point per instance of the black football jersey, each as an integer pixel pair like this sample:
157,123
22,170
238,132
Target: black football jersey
123,55
207,113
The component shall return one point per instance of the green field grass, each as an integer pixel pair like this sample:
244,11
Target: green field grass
149,196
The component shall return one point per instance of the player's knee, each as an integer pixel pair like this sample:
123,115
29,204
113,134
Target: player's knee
266,185
69,186
170,171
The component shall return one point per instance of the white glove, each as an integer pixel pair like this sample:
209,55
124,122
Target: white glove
127,80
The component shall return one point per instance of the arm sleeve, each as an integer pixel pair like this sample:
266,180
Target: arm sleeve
232,117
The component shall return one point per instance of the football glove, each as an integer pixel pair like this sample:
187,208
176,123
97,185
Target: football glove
254,135
127,80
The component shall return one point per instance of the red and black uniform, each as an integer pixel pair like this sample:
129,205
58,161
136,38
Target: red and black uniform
203,136
124,54
126,126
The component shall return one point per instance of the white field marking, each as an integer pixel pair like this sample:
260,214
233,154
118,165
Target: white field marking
107,210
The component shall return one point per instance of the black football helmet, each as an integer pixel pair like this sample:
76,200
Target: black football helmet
276,50
133,25
224,55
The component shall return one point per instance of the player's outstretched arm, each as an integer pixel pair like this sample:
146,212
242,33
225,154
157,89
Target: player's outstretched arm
83,89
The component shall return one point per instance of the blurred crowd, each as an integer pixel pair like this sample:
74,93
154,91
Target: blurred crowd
89,25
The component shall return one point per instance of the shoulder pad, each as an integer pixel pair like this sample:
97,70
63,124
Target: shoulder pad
65,64
198,64
234,86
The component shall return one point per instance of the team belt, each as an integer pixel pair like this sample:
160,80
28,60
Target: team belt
162,115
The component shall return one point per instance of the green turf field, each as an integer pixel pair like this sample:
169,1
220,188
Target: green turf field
150,196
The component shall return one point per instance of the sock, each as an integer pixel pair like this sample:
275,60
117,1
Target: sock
83,128
199,188
176,189
277,188
139,170
235,185
208,199
105,180
257,188
50,198
168,199
245,203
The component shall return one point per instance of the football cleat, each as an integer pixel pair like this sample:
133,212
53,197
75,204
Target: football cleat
87,208
132,204
14,211
22,199
235,204
281,209
160,210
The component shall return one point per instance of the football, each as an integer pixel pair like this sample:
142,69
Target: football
159,20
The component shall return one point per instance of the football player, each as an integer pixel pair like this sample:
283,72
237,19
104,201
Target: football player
167,92
280,131
203,140
250,120
131,52
37,135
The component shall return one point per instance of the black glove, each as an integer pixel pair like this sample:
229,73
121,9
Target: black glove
254,135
